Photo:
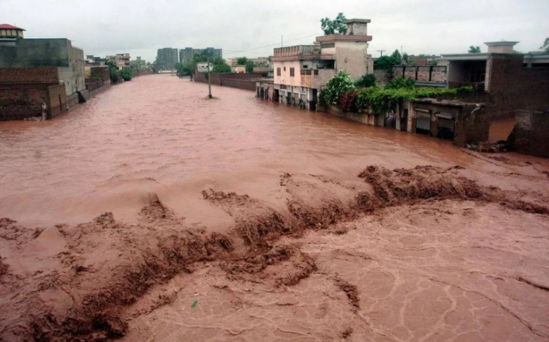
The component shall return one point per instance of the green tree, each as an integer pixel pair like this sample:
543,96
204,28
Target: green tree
221,68
397,58
366,81
336,26
545,46
241,60
113,72
339,84
406,58
384,63
474,49
250,67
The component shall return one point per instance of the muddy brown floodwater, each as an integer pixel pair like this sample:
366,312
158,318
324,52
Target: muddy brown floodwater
153,214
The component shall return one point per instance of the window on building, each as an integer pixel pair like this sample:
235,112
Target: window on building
284,68
292,72
278,73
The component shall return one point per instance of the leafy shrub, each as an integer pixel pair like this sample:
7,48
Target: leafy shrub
126,74
401,83
339,84
366,81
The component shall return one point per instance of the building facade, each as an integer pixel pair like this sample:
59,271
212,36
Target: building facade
301,72
120,60
187,54
37,74
166,58
59,53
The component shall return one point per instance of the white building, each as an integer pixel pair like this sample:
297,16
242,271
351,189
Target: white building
300,72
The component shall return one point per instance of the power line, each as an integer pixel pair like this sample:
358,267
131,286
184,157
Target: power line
264,46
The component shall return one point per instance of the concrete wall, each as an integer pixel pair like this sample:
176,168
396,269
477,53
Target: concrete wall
35,53
57,100
99,90
240,84
352,57
457,72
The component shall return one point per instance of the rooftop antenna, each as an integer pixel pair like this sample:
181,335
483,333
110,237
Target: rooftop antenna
381,51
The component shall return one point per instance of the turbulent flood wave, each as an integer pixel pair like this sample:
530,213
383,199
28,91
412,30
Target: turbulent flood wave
77,282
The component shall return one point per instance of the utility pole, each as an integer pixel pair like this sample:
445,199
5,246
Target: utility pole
381,51
209,81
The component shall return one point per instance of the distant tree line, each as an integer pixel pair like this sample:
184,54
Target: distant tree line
187,68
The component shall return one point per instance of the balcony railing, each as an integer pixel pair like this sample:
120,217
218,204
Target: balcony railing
298,50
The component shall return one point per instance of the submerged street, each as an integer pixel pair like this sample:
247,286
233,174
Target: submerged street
160,134
153,214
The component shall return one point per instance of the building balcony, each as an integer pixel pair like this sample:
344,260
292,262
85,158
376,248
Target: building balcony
316,79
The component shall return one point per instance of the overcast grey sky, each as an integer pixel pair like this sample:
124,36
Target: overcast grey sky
141,27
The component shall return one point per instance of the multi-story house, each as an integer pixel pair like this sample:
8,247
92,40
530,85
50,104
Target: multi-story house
301,71
121,60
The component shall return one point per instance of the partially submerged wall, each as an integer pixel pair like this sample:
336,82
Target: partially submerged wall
513,87
233,80
531,134
24,90
21,101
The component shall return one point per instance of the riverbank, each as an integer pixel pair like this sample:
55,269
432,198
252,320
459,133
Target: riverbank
181,218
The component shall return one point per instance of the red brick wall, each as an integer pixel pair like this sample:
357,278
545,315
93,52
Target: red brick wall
20,101
100,73
42,75
514,87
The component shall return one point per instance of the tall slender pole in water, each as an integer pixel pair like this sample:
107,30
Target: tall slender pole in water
209,81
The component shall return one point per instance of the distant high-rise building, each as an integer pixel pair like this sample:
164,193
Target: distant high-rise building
188,53
166,58
214,52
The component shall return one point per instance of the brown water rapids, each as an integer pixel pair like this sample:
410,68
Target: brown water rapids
153,214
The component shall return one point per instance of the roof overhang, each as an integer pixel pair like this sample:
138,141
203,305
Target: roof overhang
360,21
343,38
502,43
10,27
466,57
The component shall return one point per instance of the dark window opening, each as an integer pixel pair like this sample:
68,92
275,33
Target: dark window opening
278,73
292,72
